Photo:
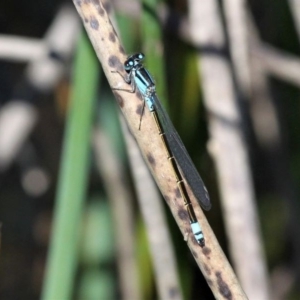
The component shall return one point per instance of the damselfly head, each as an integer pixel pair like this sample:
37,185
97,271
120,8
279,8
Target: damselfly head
132,61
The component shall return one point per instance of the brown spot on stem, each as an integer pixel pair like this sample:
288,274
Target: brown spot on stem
223,287
119,99
112,37
177,193
94,23
139,95
182,214
151,160
115,63
206,251
139,109
207,269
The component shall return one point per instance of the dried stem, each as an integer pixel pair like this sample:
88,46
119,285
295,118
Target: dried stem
227,145
236,16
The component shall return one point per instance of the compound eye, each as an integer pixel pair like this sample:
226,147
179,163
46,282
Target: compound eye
141,56
128,65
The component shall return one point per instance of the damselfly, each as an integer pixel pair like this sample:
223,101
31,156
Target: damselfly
139,78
